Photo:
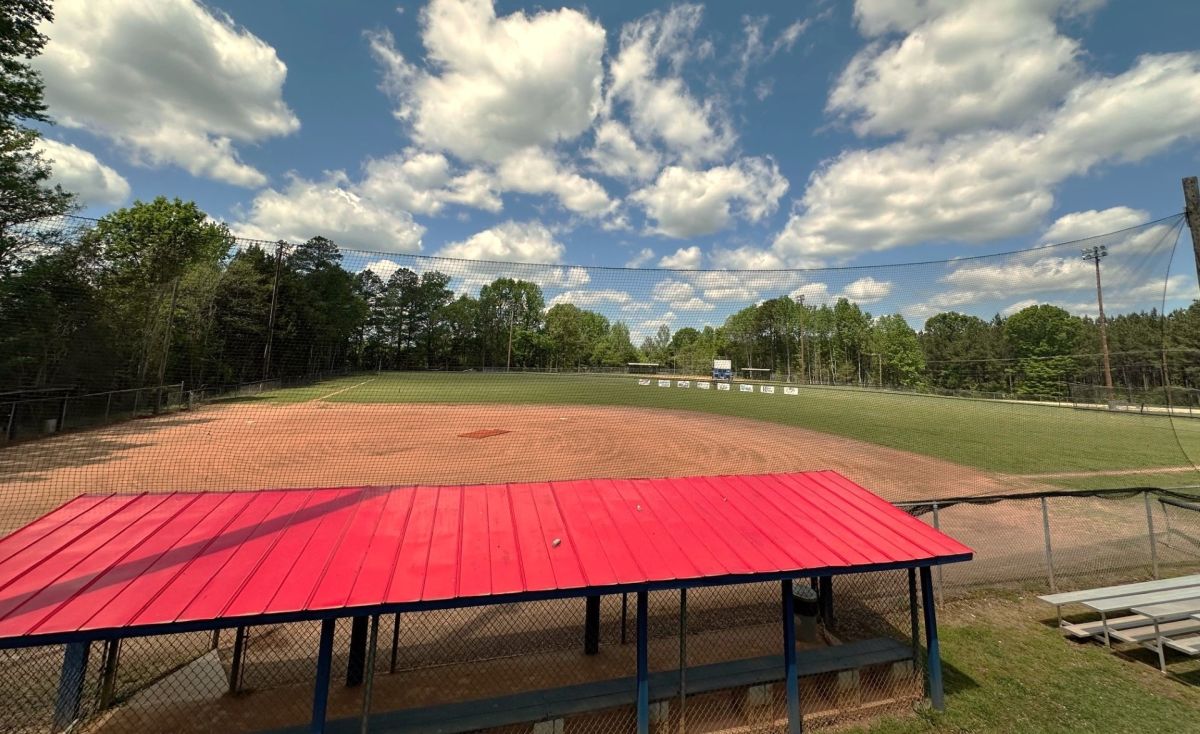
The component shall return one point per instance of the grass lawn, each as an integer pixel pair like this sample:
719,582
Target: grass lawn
992,435
1008,672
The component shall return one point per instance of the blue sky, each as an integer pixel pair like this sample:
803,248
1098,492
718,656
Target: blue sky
726,135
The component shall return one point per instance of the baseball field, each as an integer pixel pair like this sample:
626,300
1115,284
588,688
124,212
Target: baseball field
404,428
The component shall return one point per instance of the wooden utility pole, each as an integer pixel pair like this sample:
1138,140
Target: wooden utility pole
1095,254
271,317
1191,200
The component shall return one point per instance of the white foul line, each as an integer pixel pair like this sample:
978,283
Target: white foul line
344,389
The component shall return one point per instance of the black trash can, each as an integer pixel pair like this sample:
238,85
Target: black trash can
806,607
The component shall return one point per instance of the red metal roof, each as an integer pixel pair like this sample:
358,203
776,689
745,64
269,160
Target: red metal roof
144,561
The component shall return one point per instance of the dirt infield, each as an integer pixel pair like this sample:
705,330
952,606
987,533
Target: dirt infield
256,446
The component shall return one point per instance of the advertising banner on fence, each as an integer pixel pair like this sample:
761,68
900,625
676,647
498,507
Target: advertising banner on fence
645,381
722,385
664,383
746,388
683,383
791,391
704,385
768,389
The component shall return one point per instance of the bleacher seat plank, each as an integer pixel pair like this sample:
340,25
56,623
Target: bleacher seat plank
1106,592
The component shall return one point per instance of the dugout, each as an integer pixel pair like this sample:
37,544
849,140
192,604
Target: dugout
426,570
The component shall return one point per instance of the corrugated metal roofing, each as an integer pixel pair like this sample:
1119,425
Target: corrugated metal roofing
104,563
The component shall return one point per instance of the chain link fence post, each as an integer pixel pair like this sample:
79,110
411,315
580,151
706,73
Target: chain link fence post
1150,532
1049,549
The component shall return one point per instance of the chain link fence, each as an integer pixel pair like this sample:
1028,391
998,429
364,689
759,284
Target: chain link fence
260,678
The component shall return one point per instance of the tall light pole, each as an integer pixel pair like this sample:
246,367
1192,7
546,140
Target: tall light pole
787,336
1094,254
803,356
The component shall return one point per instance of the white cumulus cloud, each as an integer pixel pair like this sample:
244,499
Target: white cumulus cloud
522,242
689,203
1078,225
423,182
331,208
81,173
966,64
534,171
495,85
986,185
172,81
685,258
645,76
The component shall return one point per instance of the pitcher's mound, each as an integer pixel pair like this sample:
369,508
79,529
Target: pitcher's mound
484,433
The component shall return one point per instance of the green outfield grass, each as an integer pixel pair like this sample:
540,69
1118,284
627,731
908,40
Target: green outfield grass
991,435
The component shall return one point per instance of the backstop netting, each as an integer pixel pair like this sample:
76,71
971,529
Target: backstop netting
138,360
156,361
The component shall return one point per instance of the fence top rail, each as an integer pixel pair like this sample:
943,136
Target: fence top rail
920,507
172,386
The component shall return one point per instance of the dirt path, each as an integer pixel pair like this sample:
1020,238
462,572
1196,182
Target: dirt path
1109,473
256,446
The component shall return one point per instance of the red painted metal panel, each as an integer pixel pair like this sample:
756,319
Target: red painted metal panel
563,562
104,563
112,585
40,528
531,540
67,561
588,544
475,576
40,553
442,570
503,554
260,587
294,591
347,558
373,579
178,594
118,542
409,578
140,593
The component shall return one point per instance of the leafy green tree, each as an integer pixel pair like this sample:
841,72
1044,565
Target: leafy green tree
372,335
899,352
657,346
240,317
511,316
566,339
1043,339
53,329
616,348
24,194
147,248
462,342
960,351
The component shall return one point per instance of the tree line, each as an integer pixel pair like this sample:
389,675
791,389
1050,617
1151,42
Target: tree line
157,293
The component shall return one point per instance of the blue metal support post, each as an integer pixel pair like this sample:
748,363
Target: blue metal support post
795,724
913,619
643,665
321,687
825,599
356,660
70,684
235,663
591,625
933,655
